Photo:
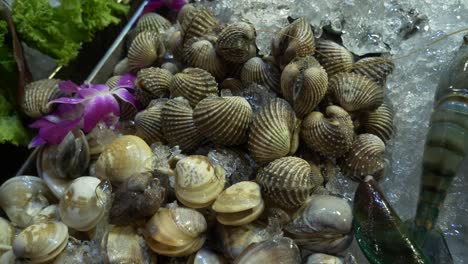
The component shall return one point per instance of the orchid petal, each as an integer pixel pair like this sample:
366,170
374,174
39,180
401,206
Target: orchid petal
68,87
36,142
97,108
99,87
127,80
67,100
125,96
55,133
40,123
88,92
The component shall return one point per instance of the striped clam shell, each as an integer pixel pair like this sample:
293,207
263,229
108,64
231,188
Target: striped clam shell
295,40
178,125
200,53
113,81
330,136
375,68
176,46
223,120
304,83
236,42
379,122
274,132
148,123
127,111
146,49
196,22
193,84
152,83
38,94
356,92
334,57
232,84
152,22
261,72
288,181
366,157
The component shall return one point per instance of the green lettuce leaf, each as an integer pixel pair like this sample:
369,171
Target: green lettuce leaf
12,129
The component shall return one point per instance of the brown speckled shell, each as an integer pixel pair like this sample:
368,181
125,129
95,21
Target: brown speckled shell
366,157
379,122
355,92
152,83
273,133
223,120
196,22
258,71
333,57
236,42
287,181
330,136
146,49
178,125
201,54
148,123
375,68
194,84
38,94
304,83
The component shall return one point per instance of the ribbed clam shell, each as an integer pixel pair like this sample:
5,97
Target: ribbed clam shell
224,120
379,122
122,67
261,72
366,157
146,49
178,125
201,54
272,133
112,81
194,84
375,68
148,123
236,42
152,83
277,250
296,40
196,22
176,46
334,57
232,84
304,83
287,181
330,136
171,67
356,92
38,94
152,22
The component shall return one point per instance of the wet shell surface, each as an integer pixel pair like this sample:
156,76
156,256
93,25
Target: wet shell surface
277,250
304,84
236,42
122,158
295,40
23,197
259,71
178,125
40,243
319,258
152,22
356,92
38,94
288,181
206,256
196,22
274,132
152,83
194,84
200,53
366,157
146,49
331,135
379,122
334,57
148,123
80,208
122,244
375,68
122,67
223,120
323,224
176,46
7,235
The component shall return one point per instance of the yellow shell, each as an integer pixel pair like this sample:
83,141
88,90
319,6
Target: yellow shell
196,22
379,122
288,181
7,235
375,68
122,244
146,49
224,120
356,92
295,40
152,22
178,125
122,158
304,83
148,123
200,53
194,84
366,157
334,57
152,83
274,132
276,250
38,94
261,72
236,42
330,136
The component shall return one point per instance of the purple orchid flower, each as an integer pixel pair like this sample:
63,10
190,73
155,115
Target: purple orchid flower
93,103
152,5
